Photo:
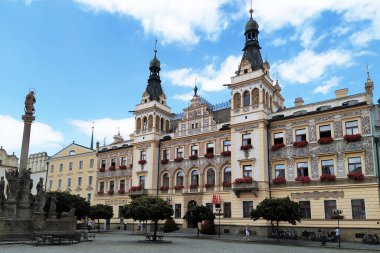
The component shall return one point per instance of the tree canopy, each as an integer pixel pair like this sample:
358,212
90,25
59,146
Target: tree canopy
65,200
101,211
199,214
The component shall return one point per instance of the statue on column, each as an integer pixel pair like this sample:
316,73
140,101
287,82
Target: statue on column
30,100
39,203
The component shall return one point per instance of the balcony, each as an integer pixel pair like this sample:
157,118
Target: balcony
138,193
237,188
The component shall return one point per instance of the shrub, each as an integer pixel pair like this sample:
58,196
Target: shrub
246,147
303,179
209,155
279,180
352,137
112,168
122,167
136,188
142,162
164,161
178,159
327,177
208,228
164,188
102,169
356,176
325,140
300,144
226,153
277,146
244,180
170,225
178,187
193,157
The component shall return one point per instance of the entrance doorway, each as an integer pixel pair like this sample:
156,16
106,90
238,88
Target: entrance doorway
189,223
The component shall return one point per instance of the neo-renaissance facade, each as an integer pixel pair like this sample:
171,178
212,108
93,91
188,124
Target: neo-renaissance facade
321,155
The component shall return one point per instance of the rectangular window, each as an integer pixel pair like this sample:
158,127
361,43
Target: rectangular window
165,154
278,138
79,181
330,206
247,208
354,164
301,135
302,169
103,164
194,150
180,152
358,209
89,197
120,212
80,165
325,131
112,186
61,167
210,148
101,186
122,185
246,139
89,180
69,182
305,209
177,211
352,127
113,162
327,167
227,209
59,183
227,145
123,160
279,170
72,152
142,155
142,181
92,163
247,171
210,207
71,165
52,168
50,184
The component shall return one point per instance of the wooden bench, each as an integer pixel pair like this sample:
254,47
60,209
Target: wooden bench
150,237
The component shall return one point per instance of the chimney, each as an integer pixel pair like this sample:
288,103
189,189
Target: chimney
341,93
298,102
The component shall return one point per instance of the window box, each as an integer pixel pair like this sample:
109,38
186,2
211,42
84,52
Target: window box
193,186
164,161
356,176
121,191
327,177
100,192
122,167
303,179
178,159
277,146
226,153
279,180
112,168
352,137
193,157
178,187
244,180
209,185
136,188
246,147
209,155
102,169
110,192
300,144
245,184
325,140
226,184
164,188
142,162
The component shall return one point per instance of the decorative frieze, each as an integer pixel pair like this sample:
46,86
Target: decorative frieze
246,128
317,195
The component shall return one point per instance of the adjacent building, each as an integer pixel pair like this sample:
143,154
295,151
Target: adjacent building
7,162
38,164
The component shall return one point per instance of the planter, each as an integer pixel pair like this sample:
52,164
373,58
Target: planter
135,188
279,180
352,137
164,188
112,168
121,191
300,144
142,162
226,153
122,167
102,169
356,176
110,192
178,159
178,187
246,147
209,155
303,179
209,185
164,161
193,186
100,192
326,140
327,177
277,146
226,184
244,180
193,157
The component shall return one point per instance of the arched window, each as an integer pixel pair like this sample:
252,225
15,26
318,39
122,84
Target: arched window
167,128
165,180
179,178
267,99
255,96
227,176
162,124
150,121
138,124
157,123
237,100
195,177
246,98
210,177
145,123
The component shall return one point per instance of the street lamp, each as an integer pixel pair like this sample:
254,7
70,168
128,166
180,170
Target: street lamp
218,213
338,214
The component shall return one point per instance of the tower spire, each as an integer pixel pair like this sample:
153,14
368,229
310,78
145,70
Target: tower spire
92,136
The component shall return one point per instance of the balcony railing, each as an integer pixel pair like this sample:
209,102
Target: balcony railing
138,193
245,187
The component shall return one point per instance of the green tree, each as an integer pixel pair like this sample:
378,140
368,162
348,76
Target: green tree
148,208
199,214
65,200
277,209
101,211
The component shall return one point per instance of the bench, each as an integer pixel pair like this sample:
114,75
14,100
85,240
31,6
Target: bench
150,237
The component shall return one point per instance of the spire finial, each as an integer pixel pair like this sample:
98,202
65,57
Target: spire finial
251,10
155,47
368,77
92,136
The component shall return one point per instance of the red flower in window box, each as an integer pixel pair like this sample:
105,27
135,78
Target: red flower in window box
277,146
122,167
178,187
135,188
352,137
193,157
121,191
300,144
325,140
164,188
279,180
102,169
246,147
209,185
226,184
226,153
142,162
110,192
164,161
100,192
112,168
193,186
356,176
178,159
303,179
209,155
244,180
327,177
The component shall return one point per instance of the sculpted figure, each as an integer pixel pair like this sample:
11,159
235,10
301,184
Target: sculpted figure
30,100
40,197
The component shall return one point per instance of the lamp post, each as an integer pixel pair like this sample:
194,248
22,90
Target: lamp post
218,213
338,214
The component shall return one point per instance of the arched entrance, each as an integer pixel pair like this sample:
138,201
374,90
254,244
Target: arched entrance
190,205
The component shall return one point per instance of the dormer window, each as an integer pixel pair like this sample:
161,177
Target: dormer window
72,152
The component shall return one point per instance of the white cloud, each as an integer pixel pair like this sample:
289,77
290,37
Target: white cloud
279,42
186,97
42,136
327,85
174,20
308,65
105,128
210,78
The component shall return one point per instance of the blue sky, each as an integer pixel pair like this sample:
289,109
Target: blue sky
88,59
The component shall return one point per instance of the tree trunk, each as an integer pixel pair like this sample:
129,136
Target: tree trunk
277,232
98,225
155,230
197,230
